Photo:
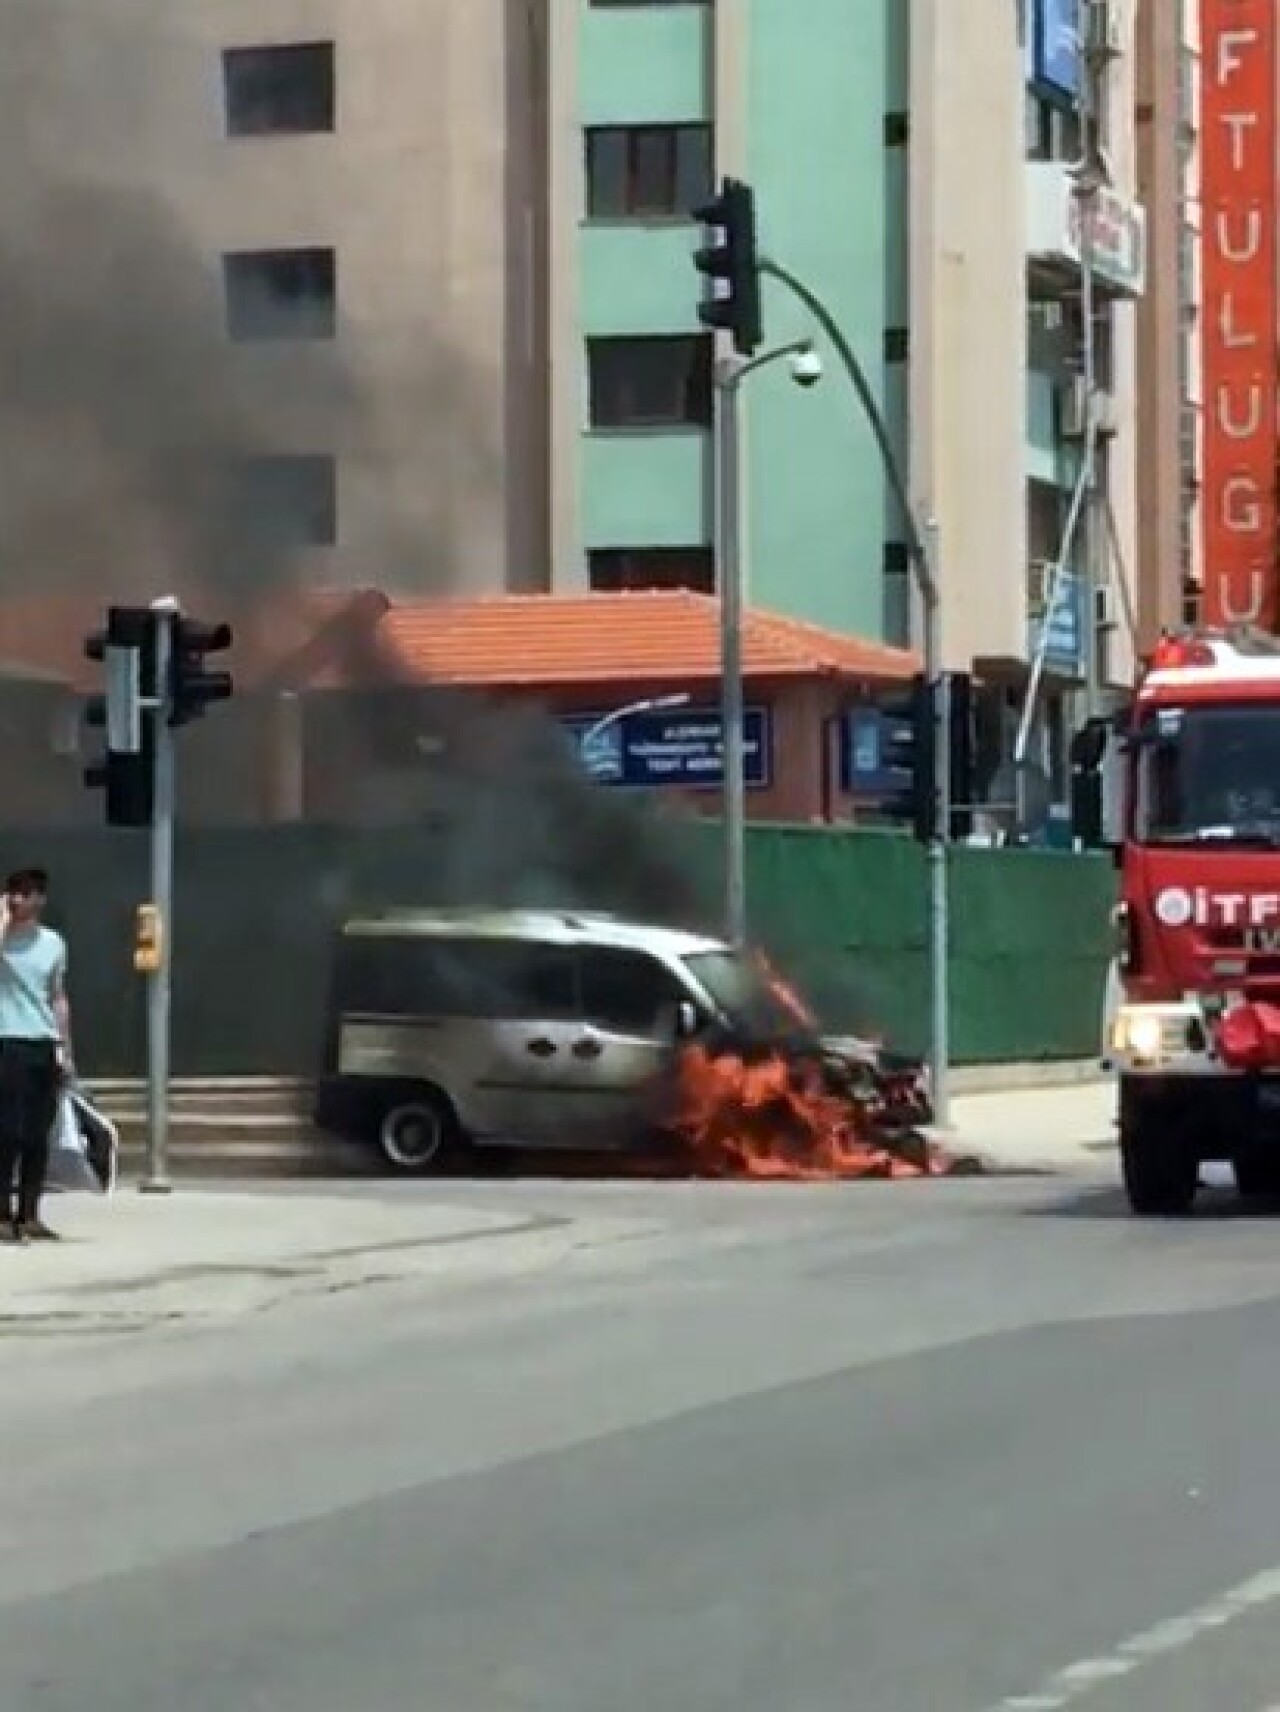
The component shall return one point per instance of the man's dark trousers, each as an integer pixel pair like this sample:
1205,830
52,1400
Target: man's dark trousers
29,1081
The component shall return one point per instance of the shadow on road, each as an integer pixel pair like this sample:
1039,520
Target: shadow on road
1217,1201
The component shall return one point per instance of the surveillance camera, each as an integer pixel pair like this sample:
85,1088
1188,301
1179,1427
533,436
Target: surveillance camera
806,368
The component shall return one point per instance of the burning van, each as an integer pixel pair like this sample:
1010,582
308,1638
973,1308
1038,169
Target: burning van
452,1030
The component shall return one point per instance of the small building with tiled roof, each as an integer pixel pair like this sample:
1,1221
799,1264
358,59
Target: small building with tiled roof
335,692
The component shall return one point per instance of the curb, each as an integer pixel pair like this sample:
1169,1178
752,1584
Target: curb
968,1079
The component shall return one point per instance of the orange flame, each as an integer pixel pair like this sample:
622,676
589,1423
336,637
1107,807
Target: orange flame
774,1119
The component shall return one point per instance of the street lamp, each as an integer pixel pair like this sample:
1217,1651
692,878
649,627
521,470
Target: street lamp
651,704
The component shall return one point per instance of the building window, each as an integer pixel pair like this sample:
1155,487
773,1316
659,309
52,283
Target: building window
897,130
647,172
286,500
281,294
1052,131
284,90
651,381
897,344
615,568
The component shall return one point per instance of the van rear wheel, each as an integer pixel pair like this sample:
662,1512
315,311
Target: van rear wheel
419,1133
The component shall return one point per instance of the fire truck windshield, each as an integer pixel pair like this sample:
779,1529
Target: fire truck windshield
1209,775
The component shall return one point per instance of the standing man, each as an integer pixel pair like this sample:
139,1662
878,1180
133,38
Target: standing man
34,1050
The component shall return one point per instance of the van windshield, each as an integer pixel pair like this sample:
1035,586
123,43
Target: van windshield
749,993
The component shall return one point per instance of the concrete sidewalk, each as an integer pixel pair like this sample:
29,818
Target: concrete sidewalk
136,1260
1036,1128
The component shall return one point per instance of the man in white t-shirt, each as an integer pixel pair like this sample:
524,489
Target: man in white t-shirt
34,1051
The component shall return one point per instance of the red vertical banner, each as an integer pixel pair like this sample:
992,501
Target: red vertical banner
1238,311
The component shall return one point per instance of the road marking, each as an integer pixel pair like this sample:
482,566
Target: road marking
1087,1676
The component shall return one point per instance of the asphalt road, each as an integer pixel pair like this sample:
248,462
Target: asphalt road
943,1447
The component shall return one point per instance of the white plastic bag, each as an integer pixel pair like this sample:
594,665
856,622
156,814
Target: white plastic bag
84,1147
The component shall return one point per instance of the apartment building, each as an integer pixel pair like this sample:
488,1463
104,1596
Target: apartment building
1027,259
269,283
649,103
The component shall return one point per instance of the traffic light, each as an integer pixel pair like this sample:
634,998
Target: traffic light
126,651
961,779
732,260
908,748
192,686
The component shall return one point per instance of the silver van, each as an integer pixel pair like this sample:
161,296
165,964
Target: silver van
453,1029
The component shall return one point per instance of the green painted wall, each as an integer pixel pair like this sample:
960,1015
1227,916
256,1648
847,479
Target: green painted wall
654,489
816,155
643,62
815,151
843,910
638,279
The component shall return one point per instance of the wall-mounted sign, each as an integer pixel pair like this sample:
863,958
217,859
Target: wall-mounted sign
1056,225
1061,629
863,772
1237,129
681,748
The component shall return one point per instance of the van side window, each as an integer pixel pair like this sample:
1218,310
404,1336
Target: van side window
448,977
543,981
627,990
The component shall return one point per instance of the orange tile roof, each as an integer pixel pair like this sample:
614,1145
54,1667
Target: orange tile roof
285,635
642,637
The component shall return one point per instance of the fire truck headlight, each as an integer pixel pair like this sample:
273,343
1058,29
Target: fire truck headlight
1149,1036
1139,1034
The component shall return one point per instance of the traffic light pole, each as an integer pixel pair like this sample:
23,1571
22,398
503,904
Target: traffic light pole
731,577
936,851
159,980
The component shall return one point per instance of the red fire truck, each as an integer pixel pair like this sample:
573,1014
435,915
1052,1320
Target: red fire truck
1184,786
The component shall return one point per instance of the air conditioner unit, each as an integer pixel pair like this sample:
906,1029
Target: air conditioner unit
1073,408
1105,607
1103,32
1106,414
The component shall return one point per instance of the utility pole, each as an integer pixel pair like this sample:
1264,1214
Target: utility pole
160,967
732,578
938,933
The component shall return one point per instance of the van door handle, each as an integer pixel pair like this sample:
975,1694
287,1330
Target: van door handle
587,1048
541,1048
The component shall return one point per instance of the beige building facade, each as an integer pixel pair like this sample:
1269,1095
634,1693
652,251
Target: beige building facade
1018,189
276,259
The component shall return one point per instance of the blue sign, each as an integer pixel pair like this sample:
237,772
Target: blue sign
682,748
863,772
1056,56
1064,624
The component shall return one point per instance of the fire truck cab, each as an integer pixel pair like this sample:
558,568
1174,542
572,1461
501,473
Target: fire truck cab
1184,787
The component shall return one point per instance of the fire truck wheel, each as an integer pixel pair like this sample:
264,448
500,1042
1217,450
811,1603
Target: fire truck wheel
1160,1179
418,1131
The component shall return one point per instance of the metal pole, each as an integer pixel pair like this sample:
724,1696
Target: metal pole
1089,515
922,551
732,713
730,374
159,982
938,908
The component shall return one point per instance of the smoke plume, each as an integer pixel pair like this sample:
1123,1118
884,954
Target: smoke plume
127,420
